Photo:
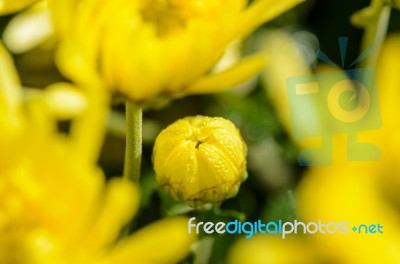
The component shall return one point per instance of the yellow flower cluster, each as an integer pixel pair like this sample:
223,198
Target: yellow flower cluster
55,206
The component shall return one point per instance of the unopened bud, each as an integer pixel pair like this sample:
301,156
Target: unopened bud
200,160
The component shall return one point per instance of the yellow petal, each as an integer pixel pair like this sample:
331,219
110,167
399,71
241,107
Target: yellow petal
10,87
11,6
285,61
64,101
62,14
388,85
261,11
350,193
121,201
166,241
244,70
28,29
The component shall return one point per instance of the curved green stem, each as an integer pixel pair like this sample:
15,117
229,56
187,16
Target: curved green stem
133,147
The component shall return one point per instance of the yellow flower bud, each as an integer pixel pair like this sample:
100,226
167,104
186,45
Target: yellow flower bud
200,160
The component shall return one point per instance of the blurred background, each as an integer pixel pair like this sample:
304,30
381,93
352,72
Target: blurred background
271,191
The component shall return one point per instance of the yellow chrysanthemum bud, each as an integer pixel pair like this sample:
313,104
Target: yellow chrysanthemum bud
200,160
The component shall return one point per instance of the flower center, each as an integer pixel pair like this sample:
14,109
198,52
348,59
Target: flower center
167,15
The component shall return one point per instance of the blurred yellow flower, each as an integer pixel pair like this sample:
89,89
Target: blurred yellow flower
55,205
11,6
313,120
288,62
164,48
200,160
350,193
285,61
388,136
270,249
360,192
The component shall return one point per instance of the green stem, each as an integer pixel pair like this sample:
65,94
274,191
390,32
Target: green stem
375,31
133,148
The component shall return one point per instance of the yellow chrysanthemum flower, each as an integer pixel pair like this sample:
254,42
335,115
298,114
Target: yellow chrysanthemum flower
146,49
55,206
200,160
11,6
359,192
